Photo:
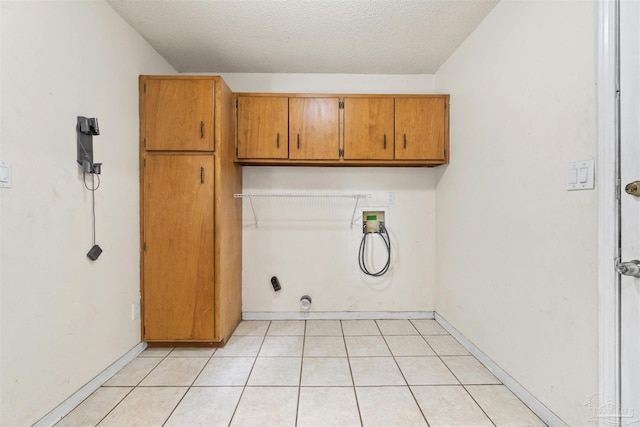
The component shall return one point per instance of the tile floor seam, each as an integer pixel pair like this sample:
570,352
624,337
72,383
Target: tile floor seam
353,382
174,408
110,411
462,384
304,338
244,387
479,406
188,387
162,359
405,378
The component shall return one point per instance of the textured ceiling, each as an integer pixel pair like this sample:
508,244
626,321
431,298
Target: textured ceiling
298,36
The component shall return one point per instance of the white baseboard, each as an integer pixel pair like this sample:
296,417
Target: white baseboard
544,413
335,315
79,396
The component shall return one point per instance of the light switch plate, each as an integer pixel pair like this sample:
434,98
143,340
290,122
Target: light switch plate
580,175
5,174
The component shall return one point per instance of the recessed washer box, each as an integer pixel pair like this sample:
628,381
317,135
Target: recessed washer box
360,214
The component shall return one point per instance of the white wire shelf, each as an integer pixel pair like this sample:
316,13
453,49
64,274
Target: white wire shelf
302,206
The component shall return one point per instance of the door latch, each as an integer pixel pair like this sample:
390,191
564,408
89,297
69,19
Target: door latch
630,268
633,188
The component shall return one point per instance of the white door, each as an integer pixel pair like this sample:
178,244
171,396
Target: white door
629,210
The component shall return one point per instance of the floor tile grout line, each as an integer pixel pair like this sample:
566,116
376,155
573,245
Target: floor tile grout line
190,386
478,404
423,335
176,405
403,376
162,359
244,387
502,385
474,358
304,337
461,383
353,382
428,345
108,412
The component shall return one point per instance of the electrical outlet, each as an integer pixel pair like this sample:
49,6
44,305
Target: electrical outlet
135,310
391,198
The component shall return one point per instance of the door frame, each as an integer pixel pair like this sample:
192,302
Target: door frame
608,148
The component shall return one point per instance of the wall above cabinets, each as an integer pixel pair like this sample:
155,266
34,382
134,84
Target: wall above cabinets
342,130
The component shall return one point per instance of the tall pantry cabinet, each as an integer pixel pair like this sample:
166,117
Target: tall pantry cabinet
191,225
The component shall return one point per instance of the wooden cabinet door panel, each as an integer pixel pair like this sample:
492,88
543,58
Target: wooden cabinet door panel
368,128
179,115
314,132
178,255
263,125
420,128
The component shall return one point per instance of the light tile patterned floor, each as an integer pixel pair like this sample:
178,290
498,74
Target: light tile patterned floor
314,373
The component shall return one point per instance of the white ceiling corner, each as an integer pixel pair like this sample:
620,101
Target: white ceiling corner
312,36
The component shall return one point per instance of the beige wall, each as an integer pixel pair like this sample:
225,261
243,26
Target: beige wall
65,318
517,253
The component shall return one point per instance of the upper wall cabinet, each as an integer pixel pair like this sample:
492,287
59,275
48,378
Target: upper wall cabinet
350,130
314,128
263,127
178,115
420,128
368,128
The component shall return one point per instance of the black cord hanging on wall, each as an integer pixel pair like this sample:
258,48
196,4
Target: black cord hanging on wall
86,128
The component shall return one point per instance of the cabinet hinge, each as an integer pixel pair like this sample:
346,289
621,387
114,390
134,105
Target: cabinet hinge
341,152
236,102
144,246
145,143
144,163
341,105
236,151
445,152
145,88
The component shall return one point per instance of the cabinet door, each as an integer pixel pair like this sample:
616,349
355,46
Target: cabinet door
178,115
420,128
263,125
178,248
368,128
314,128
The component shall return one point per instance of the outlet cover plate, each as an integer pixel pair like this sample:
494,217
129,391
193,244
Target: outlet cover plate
135,310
